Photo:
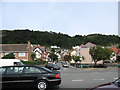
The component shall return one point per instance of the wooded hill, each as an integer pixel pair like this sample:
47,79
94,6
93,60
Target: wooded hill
59,39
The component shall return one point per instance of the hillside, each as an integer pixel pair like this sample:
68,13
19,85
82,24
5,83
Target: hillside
52,38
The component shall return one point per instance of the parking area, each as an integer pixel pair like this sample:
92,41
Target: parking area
81,78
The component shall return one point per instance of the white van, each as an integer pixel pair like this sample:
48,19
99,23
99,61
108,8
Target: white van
10,62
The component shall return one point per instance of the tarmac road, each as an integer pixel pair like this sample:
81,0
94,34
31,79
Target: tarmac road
86,78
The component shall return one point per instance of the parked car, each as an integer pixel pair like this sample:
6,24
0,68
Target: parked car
108,86
64,64
29,76
52,66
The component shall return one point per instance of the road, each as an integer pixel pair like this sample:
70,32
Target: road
86,78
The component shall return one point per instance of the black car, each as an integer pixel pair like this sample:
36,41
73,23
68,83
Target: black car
52,66
29,76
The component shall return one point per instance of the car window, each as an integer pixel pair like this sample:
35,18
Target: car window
117,81
46,69
15,70
2,70
32,70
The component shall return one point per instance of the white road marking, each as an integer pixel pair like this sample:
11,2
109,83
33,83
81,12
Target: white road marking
115,78
99,79
77,80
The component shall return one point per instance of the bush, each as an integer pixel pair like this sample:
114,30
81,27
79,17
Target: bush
29,62
36,62
9,56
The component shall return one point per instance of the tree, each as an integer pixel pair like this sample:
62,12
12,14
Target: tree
53,56
67,58
33,56
76,58
9,56
98,53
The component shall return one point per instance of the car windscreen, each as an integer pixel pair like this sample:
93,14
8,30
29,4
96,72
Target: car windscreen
117,82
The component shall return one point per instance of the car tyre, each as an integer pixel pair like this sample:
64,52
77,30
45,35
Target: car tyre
42,85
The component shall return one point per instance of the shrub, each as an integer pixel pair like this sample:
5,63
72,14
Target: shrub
36,62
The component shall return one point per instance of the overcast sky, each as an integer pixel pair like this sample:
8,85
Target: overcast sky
70,18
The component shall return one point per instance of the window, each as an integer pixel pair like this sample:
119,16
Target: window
15,70
32,70
21,54
2,70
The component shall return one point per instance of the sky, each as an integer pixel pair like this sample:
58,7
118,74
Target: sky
72,18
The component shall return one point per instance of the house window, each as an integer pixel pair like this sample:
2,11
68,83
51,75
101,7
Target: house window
21,54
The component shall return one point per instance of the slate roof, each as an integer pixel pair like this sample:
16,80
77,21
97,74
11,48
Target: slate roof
13,47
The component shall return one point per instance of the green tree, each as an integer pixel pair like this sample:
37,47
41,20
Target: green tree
98,53
67,58
59,39
76,58
33,56
53,57
9,56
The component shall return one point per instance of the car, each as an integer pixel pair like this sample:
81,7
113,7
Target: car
108,86
64,64
52,66
29,76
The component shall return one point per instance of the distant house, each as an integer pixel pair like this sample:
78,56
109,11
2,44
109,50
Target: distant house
21,51
116,52
88,45
83,50
40,52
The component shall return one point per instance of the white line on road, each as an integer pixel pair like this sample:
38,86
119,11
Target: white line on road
115,78
77,80
99,79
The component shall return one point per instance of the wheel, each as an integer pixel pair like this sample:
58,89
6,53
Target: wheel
42,85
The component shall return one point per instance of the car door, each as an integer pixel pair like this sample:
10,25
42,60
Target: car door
30,75
12,77
2,71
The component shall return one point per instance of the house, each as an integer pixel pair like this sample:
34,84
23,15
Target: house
116,52
88,45
87,57
40,52
21,51
83,50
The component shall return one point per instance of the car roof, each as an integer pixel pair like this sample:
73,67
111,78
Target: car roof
23,66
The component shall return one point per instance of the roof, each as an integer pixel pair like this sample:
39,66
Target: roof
116,50
13,47
88,45
42,48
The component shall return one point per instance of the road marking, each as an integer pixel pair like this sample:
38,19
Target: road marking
115,78
77,80
99,79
